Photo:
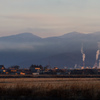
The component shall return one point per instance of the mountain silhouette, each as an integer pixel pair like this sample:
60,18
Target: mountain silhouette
26,48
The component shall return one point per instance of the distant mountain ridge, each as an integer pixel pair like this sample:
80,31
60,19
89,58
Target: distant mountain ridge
26,48
67,35
23,37
72,34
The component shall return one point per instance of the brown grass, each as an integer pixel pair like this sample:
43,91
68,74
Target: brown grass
50,88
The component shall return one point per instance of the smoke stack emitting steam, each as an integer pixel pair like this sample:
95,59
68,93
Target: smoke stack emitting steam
97,54
83,56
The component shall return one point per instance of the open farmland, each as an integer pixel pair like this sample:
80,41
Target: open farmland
50,88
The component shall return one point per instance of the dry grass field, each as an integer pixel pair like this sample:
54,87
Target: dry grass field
50,88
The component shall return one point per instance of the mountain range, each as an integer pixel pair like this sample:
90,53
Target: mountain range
25,49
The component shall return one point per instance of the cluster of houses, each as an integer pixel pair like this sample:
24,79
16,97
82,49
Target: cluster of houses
33,70
38,69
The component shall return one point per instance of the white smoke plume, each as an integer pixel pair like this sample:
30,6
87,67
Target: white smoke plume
83,56
82,50
97,54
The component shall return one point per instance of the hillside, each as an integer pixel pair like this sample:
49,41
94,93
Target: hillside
25,49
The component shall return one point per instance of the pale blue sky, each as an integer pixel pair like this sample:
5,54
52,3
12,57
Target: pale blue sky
49,17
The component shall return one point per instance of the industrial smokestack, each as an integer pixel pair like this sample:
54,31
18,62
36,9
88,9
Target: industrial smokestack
83,56
97,56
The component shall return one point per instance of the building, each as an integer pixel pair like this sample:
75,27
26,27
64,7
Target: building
36,68
2,67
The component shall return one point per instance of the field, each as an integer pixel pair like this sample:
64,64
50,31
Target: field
50,88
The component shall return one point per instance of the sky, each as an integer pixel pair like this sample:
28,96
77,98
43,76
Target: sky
46,18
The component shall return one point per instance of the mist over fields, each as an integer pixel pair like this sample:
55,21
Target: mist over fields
25,49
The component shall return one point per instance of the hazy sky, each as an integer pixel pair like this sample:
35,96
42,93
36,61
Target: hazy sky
49,17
